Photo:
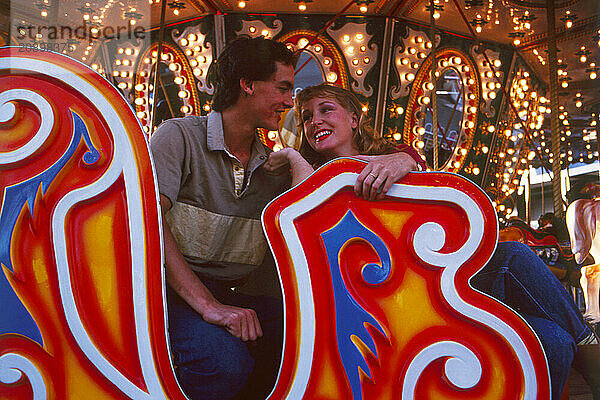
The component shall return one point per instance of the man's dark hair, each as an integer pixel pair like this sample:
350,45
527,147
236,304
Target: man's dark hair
250,58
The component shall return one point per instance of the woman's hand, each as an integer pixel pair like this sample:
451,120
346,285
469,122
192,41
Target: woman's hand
381,172
288,156
278,159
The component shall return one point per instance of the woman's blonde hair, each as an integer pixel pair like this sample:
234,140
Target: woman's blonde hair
364,138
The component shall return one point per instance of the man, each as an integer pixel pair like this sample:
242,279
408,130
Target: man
212,191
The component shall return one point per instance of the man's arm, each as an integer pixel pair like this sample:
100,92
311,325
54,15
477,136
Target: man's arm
381,172
240,322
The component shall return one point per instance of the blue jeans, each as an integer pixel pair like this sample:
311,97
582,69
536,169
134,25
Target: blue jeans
210,363
517,277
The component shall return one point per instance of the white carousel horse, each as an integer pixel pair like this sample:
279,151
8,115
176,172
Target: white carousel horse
582,222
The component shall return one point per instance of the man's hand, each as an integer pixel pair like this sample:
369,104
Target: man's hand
381,172
240,322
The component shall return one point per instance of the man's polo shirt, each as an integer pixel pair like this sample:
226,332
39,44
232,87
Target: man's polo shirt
217,204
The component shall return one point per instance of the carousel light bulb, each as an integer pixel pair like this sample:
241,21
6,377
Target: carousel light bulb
241,4
302,6
363,9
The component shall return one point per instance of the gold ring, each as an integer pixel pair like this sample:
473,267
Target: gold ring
373,175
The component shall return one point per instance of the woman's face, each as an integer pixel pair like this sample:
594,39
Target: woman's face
328,127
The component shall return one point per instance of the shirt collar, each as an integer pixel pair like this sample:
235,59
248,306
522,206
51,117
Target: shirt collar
215,140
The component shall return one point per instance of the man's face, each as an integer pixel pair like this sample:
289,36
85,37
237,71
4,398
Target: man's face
273,96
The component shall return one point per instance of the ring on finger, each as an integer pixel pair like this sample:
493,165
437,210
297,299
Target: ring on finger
373,175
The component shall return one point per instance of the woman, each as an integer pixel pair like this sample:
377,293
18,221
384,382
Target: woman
333,125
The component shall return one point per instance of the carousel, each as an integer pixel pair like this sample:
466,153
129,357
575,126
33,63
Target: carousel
500,99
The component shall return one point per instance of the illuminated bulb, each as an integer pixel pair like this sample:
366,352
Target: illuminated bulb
593,75
410,76
302,7
183,94
478,28
399,110
264,33
583,58
436,14
366,60
44,13
359,37
331,77
241,4
359,72
564,84
363,9
139,101
346,38
397,136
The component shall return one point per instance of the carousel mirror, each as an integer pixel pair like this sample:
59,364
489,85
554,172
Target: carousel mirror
450,94
166,96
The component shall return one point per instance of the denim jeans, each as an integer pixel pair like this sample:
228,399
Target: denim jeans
520,279
210,363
